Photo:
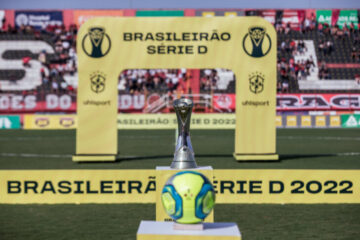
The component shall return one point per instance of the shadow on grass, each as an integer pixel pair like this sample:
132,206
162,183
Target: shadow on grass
281,157
297,156
130,158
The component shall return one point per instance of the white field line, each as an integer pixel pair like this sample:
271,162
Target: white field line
194,136
64,138
33,155
348,154
319,138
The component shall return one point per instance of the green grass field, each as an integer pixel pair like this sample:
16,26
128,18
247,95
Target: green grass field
298,149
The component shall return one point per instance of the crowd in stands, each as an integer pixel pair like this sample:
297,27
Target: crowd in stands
164,80
208,79
291,72
54,65
137,81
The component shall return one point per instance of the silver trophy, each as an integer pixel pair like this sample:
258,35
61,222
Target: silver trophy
184,153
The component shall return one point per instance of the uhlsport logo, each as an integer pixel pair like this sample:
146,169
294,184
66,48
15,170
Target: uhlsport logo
96,43
97,82
256,82
257,42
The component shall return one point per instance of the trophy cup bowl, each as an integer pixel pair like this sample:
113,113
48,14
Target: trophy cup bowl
184,154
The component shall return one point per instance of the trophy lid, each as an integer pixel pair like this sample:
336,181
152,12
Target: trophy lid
183,103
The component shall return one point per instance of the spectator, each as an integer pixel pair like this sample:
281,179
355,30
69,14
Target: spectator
293,47
328,47
301,47
334,30
339,33
302,27
285,86
356,39
283,46
321,46
326,29
63,86
278,87
320,28
357,78
346,30
3,26
354,54
312,21
26,61
307,23
287,28
55,86
42,57
352,28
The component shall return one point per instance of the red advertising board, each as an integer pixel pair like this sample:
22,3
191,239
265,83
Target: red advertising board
269,15
318,102
294,17
10,103
293,102
137,103
9,18
224,101
81,16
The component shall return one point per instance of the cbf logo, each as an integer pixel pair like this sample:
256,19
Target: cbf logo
97,82
256,81
96,43
257,42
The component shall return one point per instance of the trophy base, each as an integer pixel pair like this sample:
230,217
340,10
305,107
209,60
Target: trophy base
94,158
183,165
149,230
256,157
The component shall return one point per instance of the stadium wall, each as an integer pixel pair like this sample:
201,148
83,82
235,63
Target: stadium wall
133,4
289,15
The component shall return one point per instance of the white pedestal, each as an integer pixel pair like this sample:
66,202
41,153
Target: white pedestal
151,230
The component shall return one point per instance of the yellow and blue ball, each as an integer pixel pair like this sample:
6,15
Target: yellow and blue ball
188,197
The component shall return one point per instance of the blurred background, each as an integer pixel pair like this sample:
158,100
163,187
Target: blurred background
318,62
318,94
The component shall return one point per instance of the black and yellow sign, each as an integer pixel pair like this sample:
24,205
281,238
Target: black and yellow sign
256,82
257,43
97,82
168,121
139,186
96,43
32,121
241,44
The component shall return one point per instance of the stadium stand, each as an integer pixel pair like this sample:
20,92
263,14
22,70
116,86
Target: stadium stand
313,58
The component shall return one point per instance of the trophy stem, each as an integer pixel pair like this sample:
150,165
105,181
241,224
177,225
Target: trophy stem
184,156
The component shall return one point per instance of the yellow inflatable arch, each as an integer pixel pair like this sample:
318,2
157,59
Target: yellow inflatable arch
245,45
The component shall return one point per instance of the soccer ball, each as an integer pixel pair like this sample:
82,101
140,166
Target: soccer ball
188,197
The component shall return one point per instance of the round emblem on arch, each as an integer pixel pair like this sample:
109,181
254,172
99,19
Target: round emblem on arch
257,43
96,43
